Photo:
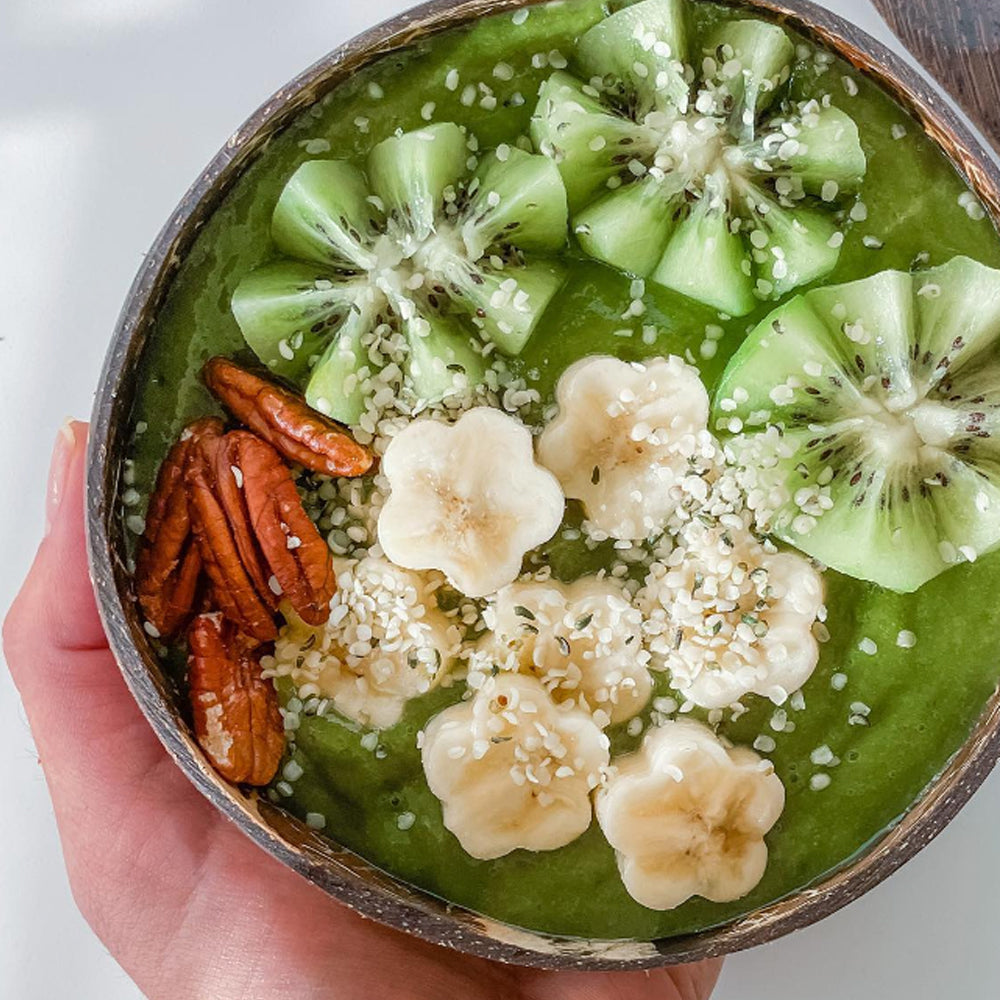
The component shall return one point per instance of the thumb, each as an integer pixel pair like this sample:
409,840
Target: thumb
58,655
58,587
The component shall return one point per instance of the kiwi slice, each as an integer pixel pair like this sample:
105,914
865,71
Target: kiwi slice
710,181
639,53
289,310
866,419
506,303
704,258
572,125
827,151
424,244
323,215
630,226
789,248
751,60
440,356
410,173
515,199
341,378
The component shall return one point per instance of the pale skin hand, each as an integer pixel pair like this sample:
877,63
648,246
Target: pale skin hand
186,904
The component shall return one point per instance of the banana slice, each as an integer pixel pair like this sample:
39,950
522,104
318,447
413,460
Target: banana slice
727,617
512,769
623,440
582,641
386,642
467,499
687,816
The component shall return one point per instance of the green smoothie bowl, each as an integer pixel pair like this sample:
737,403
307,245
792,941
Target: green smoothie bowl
542,486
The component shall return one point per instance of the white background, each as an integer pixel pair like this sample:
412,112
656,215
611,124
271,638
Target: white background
108,110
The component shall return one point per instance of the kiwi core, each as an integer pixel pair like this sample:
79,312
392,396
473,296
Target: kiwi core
902,426
403,263
691,148
935,423
894,436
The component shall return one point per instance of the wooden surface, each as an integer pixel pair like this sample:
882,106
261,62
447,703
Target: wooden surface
958,41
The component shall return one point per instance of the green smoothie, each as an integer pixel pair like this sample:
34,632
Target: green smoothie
891,710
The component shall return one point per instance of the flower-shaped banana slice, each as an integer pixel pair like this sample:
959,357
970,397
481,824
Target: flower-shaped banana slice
467,499
727,617
699,186
385,643
418,245
512,769
582,641
623,439
687,816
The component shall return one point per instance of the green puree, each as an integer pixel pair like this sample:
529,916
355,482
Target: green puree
923,701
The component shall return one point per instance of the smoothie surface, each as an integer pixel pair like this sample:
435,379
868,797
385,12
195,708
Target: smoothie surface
894,716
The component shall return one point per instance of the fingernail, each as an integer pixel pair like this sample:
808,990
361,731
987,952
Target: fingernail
62,455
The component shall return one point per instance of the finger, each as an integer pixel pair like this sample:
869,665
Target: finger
106,771
58,655
682,982
56,606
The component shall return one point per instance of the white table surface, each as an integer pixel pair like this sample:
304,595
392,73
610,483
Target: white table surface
108,109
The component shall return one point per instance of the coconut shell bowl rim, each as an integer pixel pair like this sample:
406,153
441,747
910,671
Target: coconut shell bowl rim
342,873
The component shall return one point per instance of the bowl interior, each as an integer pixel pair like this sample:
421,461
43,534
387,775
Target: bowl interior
341,872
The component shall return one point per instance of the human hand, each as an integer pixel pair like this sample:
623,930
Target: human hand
189,906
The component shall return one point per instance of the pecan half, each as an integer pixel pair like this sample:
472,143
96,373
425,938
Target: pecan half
300,433
295,551
236,717
229,482
168,561
234,588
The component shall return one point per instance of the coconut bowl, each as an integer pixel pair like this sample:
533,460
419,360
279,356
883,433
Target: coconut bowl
342,873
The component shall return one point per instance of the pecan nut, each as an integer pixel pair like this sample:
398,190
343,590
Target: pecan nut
239,597
228,483
168,561
236,717
283,419
295,551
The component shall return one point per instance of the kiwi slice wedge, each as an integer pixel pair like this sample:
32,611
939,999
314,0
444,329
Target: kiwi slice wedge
516,198
865,421
410,173
440,354
752,59
289,310
640,53
323,215
704,257
424,245
341,379
706,178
